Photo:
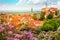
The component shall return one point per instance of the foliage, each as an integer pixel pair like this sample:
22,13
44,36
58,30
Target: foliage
51,35
24,24
50,25
50,16
48,31
9,32
34,16
3,20
56,13
47,27
42,15
58,21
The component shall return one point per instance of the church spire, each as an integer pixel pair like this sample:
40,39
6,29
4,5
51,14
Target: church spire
46,5
31,9
32,12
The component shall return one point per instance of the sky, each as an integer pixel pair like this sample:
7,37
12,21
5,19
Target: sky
26,5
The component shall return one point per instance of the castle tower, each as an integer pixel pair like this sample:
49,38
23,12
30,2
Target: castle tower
46,5
31,12
46,9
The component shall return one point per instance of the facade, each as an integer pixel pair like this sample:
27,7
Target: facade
49,10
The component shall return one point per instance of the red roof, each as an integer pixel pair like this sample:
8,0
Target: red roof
44,9
53,9
38,16
47,13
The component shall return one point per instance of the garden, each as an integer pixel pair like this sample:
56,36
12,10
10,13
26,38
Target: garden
50,30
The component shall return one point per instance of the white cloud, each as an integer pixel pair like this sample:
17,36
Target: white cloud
58,3
36,1
20,6
30,1
16,8
21,2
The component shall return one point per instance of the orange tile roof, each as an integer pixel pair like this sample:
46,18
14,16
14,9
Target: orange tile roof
47,13
17,19
38,16
53,9
44,9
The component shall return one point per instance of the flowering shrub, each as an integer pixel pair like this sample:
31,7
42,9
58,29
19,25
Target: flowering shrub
49,35
9,32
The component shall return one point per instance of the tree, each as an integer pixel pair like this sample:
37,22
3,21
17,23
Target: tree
50,16
34,16
56,13
50,25
42,15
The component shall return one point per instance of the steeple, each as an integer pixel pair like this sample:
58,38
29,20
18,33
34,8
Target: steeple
46,5
31,12
31,9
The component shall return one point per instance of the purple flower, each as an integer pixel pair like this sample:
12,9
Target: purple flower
2,30
8,38
10,26
10,32
30,35
18,36
15,39
25,32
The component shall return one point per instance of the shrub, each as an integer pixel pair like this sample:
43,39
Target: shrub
51,35
34,16
47,27
50,16
58,21
42,15
50,25
56,13
3,20
9,32
33,30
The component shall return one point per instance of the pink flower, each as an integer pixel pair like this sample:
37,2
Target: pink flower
28,33
10,26
1,25
25,32
2,30
15,39
8,38
18,36
0,21
10,32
